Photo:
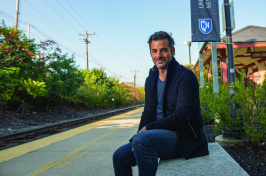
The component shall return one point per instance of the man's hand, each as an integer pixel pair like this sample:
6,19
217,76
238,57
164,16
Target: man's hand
142,129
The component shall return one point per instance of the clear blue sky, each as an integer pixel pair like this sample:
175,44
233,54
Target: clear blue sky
121,27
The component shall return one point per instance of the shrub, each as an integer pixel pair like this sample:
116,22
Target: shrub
252,112
206,101
242,114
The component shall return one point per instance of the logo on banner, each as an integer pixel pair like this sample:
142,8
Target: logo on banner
205,25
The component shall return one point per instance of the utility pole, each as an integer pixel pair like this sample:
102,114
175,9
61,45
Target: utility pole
87,41
189,45
215,68
135,77
229,44
17,13
43,46
29,30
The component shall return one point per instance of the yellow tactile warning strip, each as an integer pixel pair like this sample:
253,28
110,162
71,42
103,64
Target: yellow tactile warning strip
13,152
77,153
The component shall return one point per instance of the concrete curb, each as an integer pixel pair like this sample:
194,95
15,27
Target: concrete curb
229,142
218,163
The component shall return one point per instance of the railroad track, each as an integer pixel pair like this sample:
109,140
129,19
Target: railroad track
56,127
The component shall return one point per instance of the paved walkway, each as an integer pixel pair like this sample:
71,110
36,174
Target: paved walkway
85,150
88,150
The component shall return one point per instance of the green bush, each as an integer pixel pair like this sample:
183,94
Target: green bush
8,83
206,102
34,88
30,80
247,105
98,90
252,112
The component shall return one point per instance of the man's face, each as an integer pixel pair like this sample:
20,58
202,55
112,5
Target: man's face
161,53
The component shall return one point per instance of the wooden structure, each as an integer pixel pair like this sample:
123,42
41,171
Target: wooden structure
249,44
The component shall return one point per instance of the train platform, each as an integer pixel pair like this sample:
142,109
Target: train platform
88,150
85,150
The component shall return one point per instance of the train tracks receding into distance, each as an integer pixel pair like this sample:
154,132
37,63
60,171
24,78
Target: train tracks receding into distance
32,134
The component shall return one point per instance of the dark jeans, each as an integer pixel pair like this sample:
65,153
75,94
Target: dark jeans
148,147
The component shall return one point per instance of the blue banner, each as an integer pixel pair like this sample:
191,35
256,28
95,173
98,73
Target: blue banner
205,25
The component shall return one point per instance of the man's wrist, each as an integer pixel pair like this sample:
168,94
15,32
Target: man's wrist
148,126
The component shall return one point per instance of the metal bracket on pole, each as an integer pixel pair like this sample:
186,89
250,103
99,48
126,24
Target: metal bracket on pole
228,40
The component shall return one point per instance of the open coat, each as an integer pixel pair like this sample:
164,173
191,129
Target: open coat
181,108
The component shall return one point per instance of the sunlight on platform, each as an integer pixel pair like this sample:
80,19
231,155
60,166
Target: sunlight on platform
120,123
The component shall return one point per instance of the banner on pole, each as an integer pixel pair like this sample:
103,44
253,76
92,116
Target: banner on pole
205,21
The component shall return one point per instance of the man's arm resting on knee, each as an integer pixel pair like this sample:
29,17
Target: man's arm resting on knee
143,129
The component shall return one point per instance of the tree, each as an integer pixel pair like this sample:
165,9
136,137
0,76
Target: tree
20,80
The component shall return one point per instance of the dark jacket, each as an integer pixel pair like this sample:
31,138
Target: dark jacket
181,108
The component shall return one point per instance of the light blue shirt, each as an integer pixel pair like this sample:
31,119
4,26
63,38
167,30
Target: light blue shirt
160,87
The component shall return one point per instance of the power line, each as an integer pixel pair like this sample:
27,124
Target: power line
78,14
61,16
36,29
115,53
91,29
86,42
50,22
117,56
39,31
6,17
70,14
11,19
75,52
94,59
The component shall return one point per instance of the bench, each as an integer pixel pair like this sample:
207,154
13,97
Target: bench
217,163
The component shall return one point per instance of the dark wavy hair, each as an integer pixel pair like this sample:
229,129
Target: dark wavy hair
161,35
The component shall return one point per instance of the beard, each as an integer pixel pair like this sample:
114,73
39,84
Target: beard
161,66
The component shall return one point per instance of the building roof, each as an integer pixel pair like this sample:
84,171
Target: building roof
249,34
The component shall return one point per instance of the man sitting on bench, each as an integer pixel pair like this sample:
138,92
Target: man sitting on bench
171,125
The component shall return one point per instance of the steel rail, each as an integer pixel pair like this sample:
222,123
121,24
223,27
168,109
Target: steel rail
62,124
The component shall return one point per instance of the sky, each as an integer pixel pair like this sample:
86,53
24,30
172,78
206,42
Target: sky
121,27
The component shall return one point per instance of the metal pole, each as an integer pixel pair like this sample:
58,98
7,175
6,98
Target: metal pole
135,84
231,68
17,13
201,48
87,50
43,47
29,31
201,70
189,45
215,68
87,41
229,43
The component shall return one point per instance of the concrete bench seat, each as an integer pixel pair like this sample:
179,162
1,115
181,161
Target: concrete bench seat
217,163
